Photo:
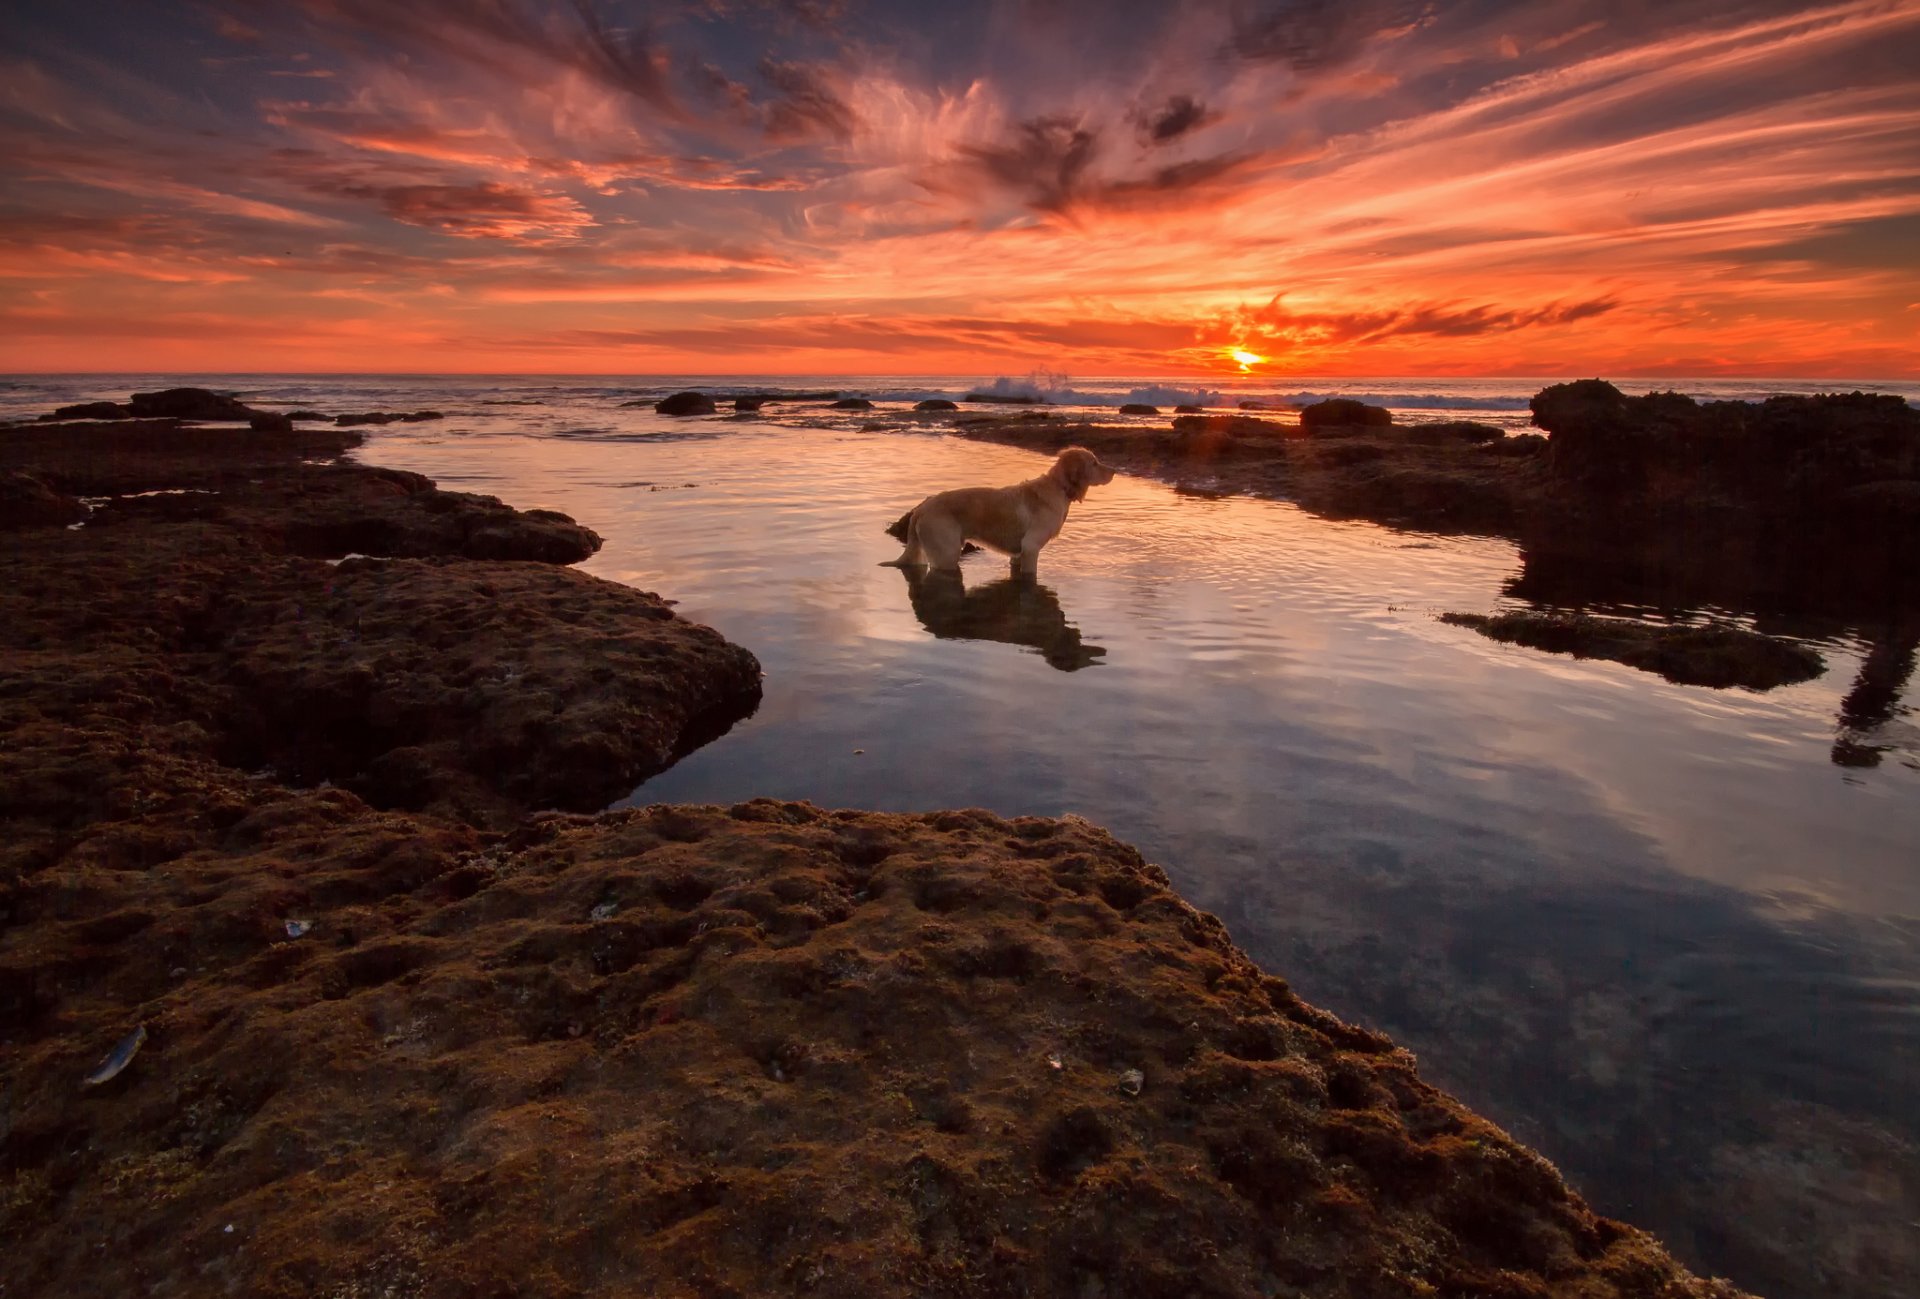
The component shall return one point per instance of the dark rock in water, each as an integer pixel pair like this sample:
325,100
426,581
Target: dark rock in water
1783,456
267,421
853,403
1717,656
1005,399
749,404
1445,432
27,502
935,403
1139,408
387,417
188,403
92,410
1344,412
685,403
1262,405
1189,410
308,415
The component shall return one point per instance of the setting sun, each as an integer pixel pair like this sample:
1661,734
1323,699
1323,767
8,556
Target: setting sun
1246,359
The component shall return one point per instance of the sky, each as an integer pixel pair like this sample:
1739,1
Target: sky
1337,187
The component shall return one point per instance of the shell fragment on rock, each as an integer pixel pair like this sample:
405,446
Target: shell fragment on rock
117,1059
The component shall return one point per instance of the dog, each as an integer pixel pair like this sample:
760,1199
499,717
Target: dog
1015,521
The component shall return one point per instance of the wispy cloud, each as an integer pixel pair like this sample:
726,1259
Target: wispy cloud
1376,185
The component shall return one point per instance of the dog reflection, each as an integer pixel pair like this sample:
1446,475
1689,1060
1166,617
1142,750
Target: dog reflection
1015,610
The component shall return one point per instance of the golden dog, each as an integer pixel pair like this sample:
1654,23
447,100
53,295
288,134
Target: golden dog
1015,520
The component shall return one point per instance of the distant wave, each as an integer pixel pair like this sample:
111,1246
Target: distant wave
1059,390
1412,400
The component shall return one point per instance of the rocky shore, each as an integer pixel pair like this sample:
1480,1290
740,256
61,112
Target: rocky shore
315,978
1802,503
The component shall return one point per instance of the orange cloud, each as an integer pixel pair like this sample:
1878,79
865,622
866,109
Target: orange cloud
1381,187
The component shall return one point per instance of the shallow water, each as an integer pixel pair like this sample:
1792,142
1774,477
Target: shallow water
1652,929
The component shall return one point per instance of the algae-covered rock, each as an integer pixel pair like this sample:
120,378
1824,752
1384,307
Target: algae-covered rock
1718,656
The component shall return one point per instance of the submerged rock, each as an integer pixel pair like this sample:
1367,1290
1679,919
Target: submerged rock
1005,399
1717,656
1139,408
935,403
270,422
387,417
852,403
1189,410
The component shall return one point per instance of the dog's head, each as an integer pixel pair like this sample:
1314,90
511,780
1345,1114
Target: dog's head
1076,470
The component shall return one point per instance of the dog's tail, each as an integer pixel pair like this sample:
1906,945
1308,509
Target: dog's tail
898,528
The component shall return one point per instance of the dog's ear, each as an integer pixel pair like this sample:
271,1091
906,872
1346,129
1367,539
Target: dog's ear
1072,470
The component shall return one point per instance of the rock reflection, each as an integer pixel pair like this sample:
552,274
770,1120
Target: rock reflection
1015,610
1633,583
1870,708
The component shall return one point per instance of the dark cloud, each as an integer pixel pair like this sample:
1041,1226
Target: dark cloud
1180,115
486,210
1043,163
1432,320
1312,35
498,36
807,106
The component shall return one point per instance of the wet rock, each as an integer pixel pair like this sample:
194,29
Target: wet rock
685,403
27,502
1343,413
489,685
387,417
188,403
1717,656
749,404
326,513
1189,410
1005,399
1517,445
803,1014
104,458
1139,408
853,403
1783,456
92,410
935,403
1234,426
1443,432
192,631
270,422
309,415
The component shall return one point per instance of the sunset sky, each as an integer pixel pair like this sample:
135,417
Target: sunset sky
1343,187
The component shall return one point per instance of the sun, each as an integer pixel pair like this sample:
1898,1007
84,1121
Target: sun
1246,359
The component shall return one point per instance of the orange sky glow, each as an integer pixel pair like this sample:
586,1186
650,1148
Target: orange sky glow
834,187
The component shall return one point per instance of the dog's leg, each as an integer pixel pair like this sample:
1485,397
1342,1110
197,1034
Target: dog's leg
1027,562
940,540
